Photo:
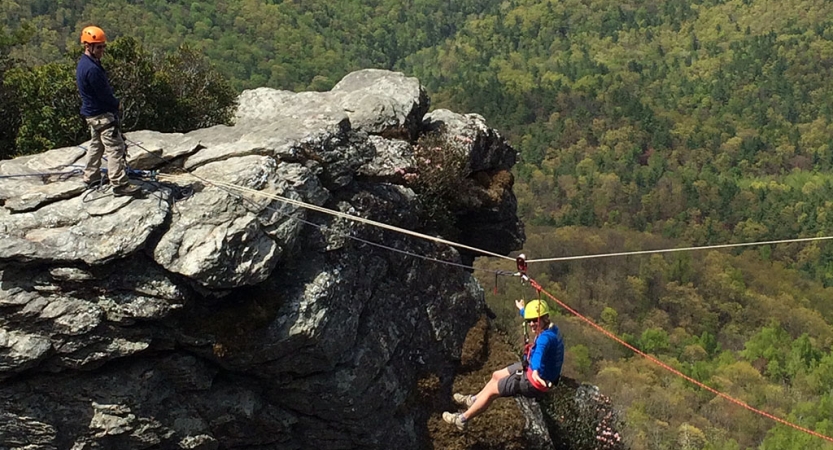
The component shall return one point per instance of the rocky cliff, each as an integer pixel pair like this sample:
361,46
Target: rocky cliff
201,318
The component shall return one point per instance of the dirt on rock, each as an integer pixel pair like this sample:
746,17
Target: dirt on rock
501,426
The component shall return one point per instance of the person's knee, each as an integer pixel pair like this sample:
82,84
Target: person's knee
499,374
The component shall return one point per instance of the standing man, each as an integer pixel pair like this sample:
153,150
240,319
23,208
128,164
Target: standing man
539,372
100,108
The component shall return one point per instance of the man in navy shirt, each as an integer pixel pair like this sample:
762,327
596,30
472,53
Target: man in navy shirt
100,108
533,379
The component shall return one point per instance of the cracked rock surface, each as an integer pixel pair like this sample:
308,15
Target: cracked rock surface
230,319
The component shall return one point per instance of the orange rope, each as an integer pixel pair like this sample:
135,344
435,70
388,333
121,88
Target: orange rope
665,366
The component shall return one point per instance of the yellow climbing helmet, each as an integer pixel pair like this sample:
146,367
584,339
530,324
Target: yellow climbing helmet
93,35
536,309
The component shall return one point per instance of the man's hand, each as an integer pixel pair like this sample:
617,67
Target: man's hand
538,378
519,304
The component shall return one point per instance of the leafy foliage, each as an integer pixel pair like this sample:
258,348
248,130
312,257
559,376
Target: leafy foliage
47,104
440,180
703,122
201,96
176,93
288,45
9,123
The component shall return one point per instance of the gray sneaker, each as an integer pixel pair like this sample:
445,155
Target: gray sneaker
463,400
126,189
455,419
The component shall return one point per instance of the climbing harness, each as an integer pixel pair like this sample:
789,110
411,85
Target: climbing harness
143,174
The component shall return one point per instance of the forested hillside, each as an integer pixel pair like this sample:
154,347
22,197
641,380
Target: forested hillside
744,324
696,120
298,45
641,124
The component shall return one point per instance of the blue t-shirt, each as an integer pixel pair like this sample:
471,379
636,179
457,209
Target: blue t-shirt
96,93
547,354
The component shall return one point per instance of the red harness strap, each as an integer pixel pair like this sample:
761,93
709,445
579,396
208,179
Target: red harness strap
534,382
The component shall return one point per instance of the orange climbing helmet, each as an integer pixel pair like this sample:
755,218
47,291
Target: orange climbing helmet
93,35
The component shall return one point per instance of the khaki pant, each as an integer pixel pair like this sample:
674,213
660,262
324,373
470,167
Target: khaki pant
107,141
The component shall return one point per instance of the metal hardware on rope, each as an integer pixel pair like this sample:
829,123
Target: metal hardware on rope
521,262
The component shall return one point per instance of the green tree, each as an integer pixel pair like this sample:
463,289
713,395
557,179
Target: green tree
9,118
772,345
690,437
654,340
581,358
200,96
803,356
177,93
610,319
47,103
135,81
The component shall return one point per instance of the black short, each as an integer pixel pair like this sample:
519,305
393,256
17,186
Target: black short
517,384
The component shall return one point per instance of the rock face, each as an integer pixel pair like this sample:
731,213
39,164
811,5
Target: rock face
226,319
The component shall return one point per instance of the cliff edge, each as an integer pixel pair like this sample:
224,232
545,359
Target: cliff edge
202,317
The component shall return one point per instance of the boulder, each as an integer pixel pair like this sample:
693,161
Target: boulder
211,312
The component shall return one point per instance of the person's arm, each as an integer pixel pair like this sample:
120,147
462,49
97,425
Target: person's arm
537,354
541,346
103,91
535,360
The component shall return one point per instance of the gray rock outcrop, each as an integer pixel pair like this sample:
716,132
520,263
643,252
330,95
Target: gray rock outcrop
205,316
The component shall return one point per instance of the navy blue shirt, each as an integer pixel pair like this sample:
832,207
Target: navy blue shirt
96,94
